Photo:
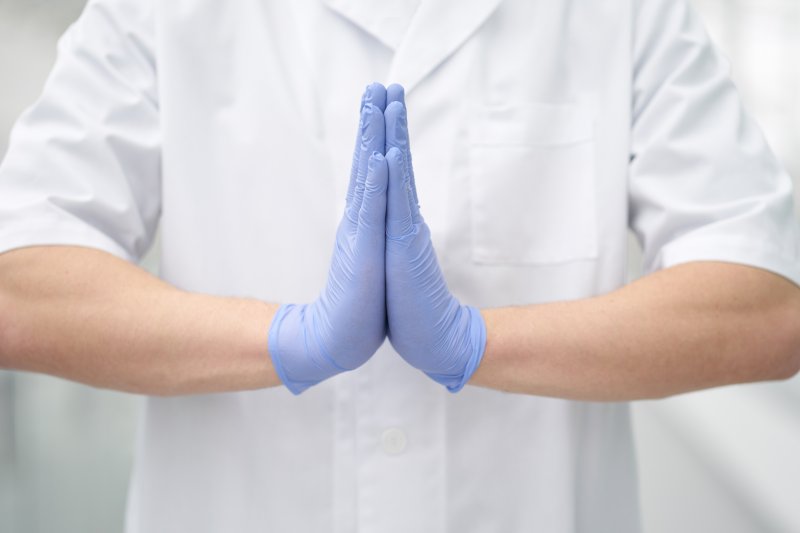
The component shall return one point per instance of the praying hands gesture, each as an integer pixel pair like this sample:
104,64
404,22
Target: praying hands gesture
384,268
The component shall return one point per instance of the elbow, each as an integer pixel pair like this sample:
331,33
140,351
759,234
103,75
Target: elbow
792,365
788,370
10,333
5,334
787,364
794,368
8,319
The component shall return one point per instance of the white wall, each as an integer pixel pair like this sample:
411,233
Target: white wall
717,461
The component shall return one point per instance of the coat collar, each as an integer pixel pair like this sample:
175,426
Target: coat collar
376,17
437,30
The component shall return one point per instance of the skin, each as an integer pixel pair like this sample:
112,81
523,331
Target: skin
690,327
87,316
84,315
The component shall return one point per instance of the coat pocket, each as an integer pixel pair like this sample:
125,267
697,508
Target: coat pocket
532,184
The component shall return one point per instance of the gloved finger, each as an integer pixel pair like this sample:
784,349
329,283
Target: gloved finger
373,135
397,136
351,185
395,93
398,208
374,94
372,217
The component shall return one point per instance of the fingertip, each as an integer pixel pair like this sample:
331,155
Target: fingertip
372,123
395,93
395,110
394,155
396,124
378,171
378,118
375,159
375,94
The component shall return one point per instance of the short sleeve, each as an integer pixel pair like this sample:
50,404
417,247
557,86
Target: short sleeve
703,183
83,163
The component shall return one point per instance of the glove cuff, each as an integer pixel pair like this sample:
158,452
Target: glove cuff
475,346
275,352
477,343
297,354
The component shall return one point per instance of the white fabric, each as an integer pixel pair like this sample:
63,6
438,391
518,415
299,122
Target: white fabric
231,123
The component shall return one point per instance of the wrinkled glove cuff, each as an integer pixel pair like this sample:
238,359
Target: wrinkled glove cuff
297,353
476,345
276,353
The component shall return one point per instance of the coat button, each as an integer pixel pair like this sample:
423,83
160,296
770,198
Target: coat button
394,441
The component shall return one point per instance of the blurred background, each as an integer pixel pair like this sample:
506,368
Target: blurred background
722,460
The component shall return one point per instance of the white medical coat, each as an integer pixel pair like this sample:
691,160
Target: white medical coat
542,130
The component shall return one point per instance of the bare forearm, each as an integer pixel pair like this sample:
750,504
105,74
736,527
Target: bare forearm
690,327
87,316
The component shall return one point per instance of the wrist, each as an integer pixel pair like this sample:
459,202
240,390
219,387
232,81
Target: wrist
477,346
299,359
468,352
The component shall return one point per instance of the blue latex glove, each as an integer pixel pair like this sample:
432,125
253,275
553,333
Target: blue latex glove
428,327
347,323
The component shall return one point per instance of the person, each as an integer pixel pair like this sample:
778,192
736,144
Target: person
496,258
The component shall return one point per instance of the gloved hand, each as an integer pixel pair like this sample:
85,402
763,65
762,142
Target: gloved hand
428,327
347,323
